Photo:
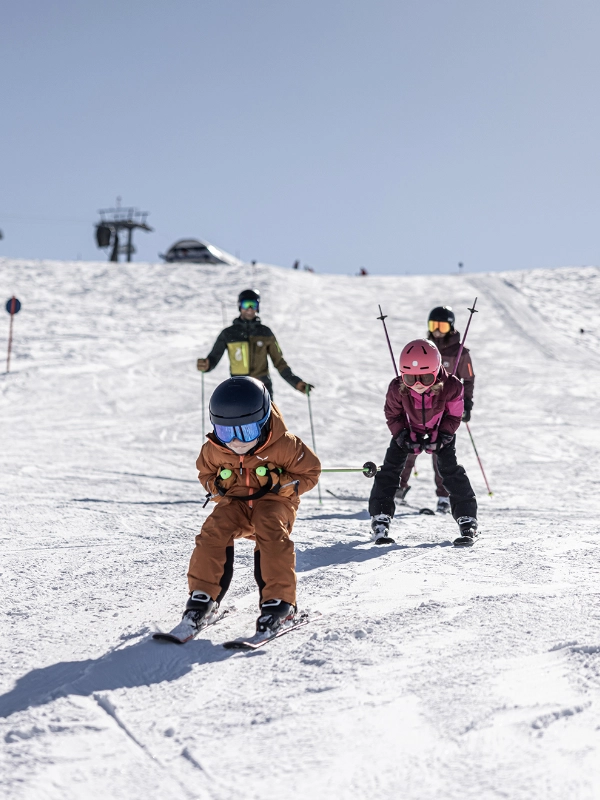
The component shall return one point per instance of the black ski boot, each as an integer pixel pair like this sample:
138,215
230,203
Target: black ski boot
273,614
380,529
200,610
468,532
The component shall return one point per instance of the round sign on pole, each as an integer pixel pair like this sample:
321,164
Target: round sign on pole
13,306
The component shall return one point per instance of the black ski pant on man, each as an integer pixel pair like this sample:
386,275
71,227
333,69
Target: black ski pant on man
462,497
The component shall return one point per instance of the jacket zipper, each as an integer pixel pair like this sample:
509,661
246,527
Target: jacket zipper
251,490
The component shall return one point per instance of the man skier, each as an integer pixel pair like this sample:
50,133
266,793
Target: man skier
447,340
423,409
248,342
255,470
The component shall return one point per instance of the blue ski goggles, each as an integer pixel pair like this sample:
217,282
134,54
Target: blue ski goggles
244,433
249,304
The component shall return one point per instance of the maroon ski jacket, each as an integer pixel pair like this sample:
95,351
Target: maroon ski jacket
438,409
449,346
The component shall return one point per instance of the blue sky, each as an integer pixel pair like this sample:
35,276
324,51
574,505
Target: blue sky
399,136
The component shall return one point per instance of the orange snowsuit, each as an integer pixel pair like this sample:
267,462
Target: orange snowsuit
268,520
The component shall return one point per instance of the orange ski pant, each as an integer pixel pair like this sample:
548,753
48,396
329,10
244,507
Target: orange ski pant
269,521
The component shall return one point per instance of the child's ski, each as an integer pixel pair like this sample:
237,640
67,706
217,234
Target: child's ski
184,632
260,639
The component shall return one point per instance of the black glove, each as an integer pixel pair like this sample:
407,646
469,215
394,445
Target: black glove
443,440
401,439
406,444
468,408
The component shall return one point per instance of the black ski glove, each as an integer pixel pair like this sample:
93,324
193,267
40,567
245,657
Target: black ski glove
401,440
442,441
406,444
466,417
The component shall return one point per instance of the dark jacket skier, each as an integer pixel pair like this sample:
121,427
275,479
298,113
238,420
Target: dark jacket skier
248,343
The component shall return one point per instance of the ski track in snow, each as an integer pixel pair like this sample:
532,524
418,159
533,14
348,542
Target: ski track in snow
434,673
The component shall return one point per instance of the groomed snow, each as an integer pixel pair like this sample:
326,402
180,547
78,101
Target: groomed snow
434,673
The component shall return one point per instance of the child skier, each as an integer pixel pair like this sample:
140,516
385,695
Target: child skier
423,409
447,340
255,470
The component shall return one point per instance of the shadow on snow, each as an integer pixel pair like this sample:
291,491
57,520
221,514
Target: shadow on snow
142,664
344,553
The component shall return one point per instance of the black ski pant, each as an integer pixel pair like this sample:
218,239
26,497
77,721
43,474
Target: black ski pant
462,497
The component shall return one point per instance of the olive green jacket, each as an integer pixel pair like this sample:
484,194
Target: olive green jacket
248,344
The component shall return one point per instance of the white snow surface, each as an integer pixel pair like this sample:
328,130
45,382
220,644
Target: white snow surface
433,673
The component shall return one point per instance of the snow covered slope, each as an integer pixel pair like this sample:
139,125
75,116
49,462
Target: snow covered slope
434,673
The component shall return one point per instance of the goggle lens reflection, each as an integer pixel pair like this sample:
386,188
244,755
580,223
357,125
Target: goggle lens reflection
249,304
425,380
442,327
244,433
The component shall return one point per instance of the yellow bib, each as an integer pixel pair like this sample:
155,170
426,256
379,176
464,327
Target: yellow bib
239,358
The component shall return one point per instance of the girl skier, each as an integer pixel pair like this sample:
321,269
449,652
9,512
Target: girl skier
423,409
447,340
255,470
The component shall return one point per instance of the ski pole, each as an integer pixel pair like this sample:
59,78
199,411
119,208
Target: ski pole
473,310
203,414
383,318
479,460
369,469
312,430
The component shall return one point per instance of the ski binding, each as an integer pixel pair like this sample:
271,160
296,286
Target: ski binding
259,639
184,632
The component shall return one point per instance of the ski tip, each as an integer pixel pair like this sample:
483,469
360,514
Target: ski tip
463,541
427,511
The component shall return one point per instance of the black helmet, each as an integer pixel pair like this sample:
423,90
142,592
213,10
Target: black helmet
239,402
248,294
442,314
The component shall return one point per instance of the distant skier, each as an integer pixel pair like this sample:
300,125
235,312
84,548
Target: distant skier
255,470
423,409
447,340
248,342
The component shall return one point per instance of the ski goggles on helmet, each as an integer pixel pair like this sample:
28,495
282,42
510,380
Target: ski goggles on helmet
249,304
425,380
244,433
442,327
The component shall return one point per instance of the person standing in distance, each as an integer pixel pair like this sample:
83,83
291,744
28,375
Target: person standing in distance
248,343
447,340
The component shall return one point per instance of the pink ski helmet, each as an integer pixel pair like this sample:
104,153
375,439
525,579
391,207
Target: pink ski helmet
420,357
